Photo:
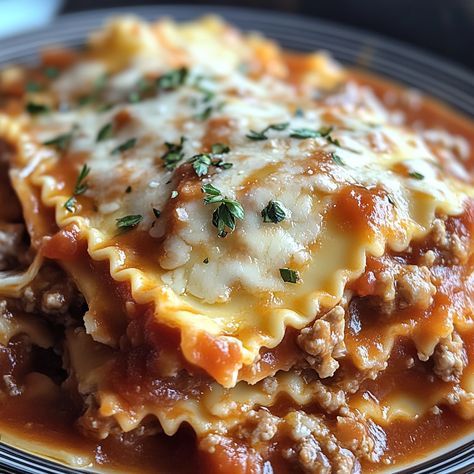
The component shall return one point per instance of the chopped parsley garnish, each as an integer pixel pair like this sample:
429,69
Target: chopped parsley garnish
134,97
201,163
304,133
156,212
337,159
323,132
32,86
124,146
212,191
172,79
174,154
99,85
274,212
207,94
51,72
61,142
101,82
128,222
289,276
105,107
79,188
222,164
105,132
84,100
70,204
35,109
206,260
253,135
174,194
147,87
219,149
205,114
416,175
143,87
299,112
225,215
333,141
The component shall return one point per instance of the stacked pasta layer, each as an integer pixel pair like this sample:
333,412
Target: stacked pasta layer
265,251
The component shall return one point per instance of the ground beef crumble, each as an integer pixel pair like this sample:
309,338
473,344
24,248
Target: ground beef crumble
450,358
324,342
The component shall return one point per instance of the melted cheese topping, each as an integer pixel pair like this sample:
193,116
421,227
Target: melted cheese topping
366,186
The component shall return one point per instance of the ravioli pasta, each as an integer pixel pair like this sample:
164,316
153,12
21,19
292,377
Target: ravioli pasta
247,242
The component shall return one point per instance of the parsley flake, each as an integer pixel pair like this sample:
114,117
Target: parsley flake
416,175
174,194
79,188
206,260
391,200
156,212
207,94
274,212
219,148
51,72
337,159
205,114
224,217
222,164
299,112
143,88
128,222
105,132
201,163
323,132
94,96
304,133
35,109
289,276
61,142
128,190
253,135
174,154
70,204
333,141
210,189
124,146
172,79
32,86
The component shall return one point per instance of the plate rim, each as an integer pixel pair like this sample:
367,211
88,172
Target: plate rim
416,52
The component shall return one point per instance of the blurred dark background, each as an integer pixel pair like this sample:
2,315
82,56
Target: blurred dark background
444,27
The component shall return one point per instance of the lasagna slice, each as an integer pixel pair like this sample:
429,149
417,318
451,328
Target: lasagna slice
268,254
